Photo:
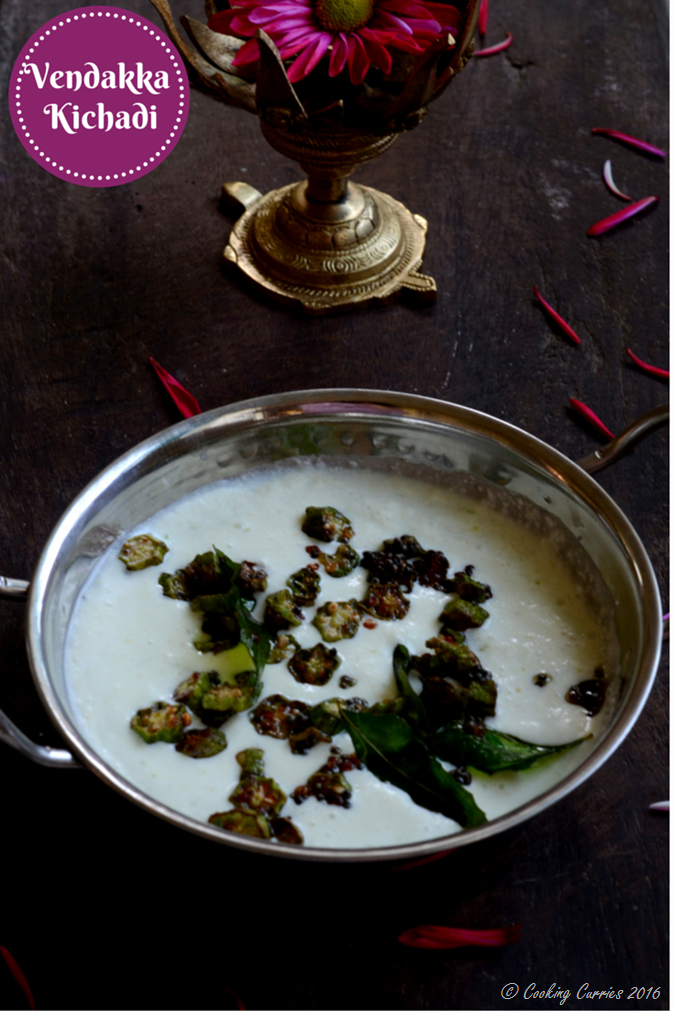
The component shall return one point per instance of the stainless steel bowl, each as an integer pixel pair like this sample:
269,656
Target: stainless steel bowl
385,429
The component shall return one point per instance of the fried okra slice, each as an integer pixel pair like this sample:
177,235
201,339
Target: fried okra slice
305,585
330,787
324,523
284,830
256,792
282,611
327,715
452,659
161,722
223,700
283,647
244,822
307,739
251,761
173,585
259,794
337,621
344,561
142,551
314,666
277,716
251,579
461,614
202,743
385,601
469,588
192,689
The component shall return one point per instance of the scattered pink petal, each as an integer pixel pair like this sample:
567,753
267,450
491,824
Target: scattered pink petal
430,936
652,369
557,318
483,17
239,1003
642,145
665,617
590,416
608,179
183,400
498,48
662,805
617,219
15,970
424,860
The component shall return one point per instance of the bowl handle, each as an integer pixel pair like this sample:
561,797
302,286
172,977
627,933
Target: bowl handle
17,589
628,438
617,447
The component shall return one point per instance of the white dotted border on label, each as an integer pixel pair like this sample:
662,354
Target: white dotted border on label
177,66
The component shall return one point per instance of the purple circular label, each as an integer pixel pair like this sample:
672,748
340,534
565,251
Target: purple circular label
99,96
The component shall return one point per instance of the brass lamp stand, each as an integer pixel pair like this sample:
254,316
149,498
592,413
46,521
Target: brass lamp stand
326,244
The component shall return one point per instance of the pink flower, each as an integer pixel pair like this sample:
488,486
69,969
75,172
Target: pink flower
354,32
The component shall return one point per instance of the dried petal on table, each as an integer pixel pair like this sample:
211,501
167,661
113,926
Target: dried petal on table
430,936
653,370
641,145
16,972
590,416
498,48
184,401
483,17
557,318
608,179
606,224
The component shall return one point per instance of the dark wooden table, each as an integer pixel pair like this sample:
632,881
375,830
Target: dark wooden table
107,907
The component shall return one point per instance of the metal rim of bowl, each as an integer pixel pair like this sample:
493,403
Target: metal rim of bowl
257,412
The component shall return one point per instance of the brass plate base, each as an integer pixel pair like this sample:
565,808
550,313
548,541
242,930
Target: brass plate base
328,257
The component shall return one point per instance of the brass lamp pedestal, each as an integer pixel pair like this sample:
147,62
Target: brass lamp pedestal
327,243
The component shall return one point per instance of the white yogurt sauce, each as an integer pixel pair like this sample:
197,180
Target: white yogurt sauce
129,645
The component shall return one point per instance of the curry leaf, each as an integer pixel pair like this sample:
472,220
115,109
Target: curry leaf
391,751
415,710
493,752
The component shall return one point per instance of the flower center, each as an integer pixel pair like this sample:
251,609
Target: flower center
343,15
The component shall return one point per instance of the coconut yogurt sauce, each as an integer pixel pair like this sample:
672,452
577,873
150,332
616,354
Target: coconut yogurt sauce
128,645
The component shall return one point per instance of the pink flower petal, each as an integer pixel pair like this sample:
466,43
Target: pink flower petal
608,179
483,17
642,145
557,318
16,972
340,51
606,224
662,805
430,936
249,53
498,48
379,54
590,416
652,369
183,400
359,62
309,57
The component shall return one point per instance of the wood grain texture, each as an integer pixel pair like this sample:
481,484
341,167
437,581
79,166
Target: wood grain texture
508,174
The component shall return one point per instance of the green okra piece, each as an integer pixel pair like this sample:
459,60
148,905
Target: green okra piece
324,523
142,551
161,722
